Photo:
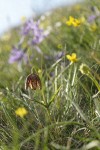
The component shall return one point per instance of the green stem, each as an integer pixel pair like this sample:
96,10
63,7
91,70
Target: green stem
94,80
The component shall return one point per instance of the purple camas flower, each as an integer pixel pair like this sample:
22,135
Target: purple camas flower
17,55
38,38
27,27
92,18
32,28
35,36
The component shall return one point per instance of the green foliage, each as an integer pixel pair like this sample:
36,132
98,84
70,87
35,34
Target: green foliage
65,113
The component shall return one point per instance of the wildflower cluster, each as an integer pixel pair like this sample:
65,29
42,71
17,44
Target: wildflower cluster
17,55
35,34
73,22
52,100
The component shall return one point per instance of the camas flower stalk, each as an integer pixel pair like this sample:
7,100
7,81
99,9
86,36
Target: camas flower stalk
33,29
35,34
17,55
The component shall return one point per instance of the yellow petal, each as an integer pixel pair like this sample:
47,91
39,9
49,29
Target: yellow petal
21,111
68,23
74,55
68,57
71,19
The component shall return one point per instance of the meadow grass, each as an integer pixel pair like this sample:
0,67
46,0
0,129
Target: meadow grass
65,113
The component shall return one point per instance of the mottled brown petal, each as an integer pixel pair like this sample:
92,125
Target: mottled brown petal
33,81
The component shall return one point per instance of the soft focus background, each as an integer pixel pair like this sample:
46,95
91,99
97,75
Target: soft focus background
12,11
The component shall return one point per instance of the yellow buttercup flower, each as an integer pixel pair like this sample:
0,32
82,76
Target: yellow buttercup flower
21,112
70,21
72,58
73,22
76,22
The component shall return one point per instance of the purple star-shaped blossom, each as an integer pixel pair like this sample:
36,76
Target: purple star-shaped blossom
38,37
17,55
91,18
27,27
33,28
